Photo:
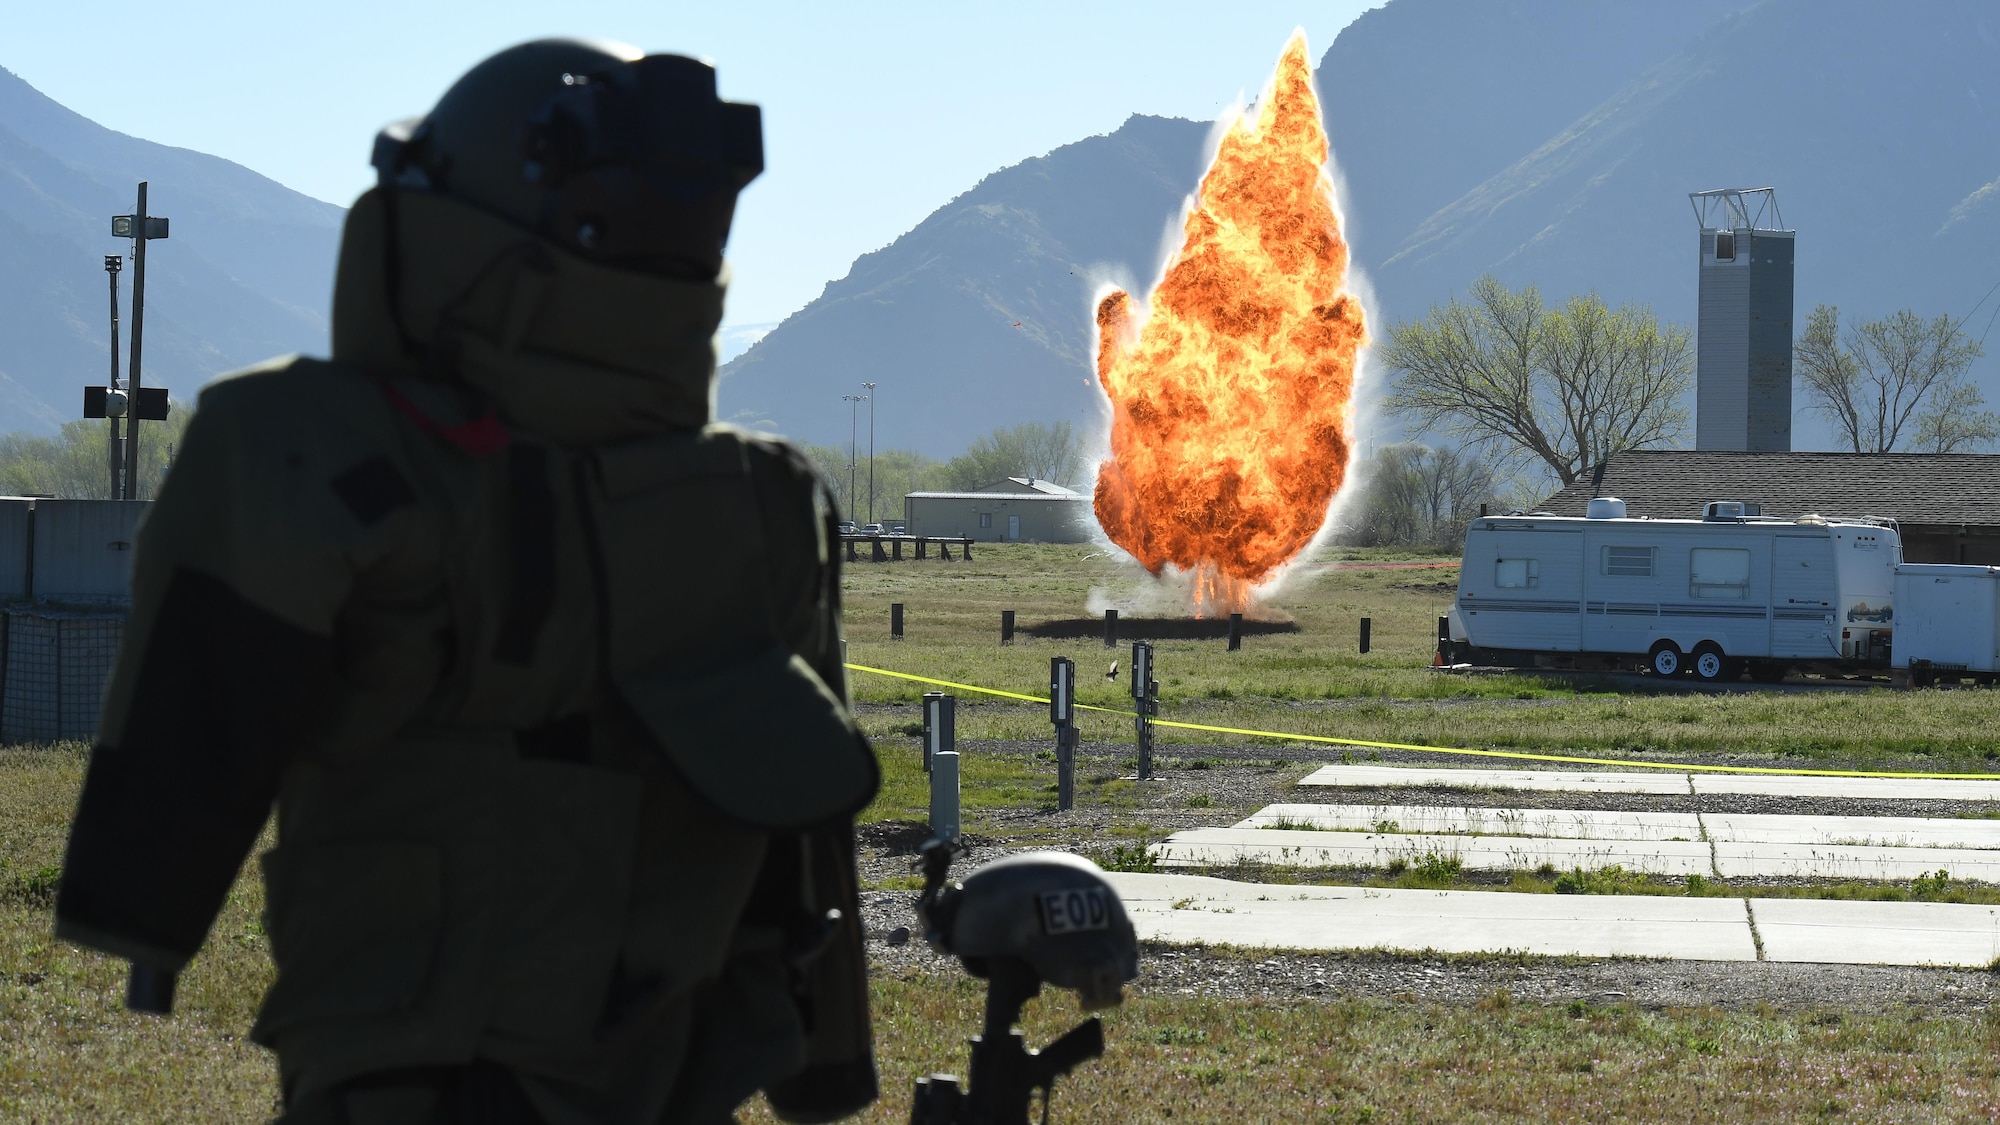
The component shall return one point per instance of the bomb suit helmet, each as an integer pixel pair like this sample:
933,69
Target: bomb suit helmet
622,158
1053,911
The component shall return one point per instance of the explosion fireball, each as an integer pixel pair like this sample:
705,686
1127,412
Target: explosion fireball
1229,395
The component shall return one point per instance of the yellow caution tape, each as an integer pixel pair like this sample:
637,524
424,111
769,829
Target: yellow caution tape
1516,755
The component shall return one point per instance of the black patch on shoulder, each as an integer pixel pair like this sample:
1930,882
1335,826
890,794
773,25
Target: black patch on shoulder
373,489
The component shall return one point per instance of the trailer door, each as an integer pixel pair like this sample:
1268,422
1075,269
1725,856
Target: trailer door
1803,589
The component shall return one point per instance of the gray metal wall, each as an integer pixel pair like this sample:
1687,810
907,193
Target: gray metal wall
68,550
1043,520
14,516
65,581
1743,365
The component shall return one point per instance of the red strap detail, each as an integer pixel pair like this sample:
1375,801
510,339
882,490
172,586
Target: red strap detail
480,437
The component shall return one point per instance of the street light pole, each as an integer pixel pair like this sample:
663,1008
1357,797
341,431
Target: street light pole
138,334
853,448
112,264
871,450
141,228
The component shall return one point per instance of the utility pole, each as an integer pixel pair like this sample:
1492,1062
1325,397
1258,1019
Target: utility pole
141,228
116,446
853,448
870,396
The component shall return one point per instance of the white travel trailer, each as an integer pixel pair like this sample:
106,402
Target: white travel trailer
1719,596
1948,624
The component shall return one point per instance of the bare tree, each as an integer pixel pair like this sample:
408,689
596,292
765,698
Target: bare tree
1414,495
1452,483
1567,387
1895,377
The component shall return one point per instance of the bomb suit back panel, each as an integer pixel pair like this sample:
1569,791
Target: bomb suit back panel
564,791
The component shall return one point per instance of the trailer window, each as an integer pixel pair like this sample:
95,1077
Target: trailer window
1719,572
1516,574
1628,562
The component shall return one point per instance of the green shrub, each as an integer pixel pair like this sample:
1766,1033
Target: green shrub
1129,857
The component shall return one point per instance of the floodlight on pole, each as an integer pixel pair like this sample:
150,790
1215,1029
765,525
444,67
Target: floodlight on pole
853,449
870,396
115,411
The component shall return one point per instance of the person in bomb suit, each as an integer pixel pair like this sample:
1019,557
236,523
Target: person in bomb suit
564,791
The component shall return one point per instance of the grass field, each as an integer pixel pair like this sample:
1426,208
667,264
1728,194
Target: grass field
1188,1059
68,1052
1315,681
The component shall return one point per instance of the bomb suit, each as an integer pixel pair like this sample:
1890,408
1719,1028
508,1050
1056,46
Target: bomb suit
538,666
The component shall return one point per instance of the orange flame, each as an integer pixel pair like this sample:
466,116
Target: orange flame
1229,427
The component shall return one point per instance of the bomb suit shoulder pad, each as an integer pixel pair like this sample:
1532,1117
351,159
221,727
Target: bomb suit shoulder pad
722,609
289,483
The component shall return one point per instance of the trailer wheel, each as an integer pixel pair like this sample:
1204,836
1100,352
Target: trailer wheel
1709,664
1665,659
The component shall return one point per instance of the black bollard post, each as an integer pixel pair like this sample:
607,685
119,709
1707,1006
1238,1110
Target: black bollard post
1110,628
1006,626
896,621
1062,712
1365,623
1145,690
1445,654
940,725
1235,631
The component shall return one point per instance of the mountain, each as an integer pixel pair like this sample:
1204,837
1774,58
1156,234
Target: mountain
247,272
1878,125
1545,141
979,317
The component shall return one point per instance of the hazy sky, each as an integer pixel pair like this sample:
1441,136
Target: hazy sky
875,114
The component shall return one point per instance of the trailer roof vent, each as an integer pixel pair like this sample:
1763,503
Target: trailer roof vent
1605,508
1731,510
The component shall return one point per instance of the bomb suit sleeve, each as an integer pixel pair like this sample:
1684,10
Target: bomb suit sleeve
227,669
839,1077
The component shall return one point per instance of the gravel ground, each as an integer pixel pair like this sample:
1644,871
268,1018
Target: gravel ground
1249,778
1241,781
895,947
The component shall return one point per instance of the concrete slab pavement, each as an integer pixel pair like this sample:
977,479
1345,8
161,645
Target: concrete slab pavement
1663,782
1591,824
1191,909
1865,831
1221,847
1188,909
1878,933
1874,788
1573,823
1838,861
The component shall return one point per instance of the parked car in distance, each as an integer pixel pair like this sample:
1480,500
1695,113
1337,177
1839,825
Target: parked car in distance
872,529
847,527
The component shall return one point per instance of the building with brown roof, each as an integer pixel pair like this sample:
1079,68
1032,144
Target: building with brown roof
1947,505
